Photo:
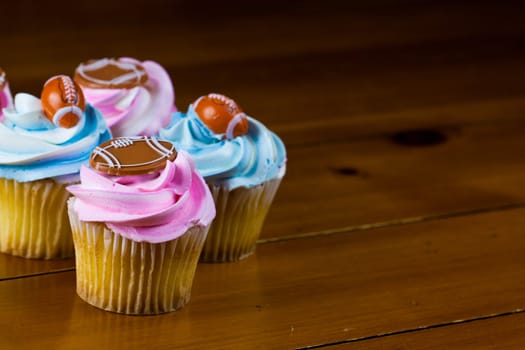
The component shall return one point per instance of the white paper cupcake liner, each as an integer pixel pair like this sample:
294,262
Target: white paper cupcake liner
120,275
240,216
33,219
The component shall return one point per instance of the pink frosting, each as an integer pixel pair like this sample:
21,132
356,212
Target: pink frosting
139,111
6,99
153,208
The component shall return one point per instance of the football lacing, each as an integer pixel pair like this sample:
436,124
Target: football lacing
229,102
122,142
110,159
70,92
158,147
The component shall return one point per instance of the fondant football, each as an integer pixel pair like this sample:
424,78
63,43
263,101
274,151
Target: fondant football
221,115
134,155
63,101
110,73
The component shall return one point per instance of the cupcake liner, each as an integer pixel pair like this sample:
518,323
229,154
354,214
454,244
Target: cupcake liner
239,220
33,219
137,278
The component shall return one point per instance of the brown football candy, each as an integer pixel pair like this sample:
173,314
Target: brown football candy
221,115
110,73
63,101
136,155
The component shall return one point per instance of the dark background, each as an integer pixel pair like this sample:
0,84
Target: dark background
207,45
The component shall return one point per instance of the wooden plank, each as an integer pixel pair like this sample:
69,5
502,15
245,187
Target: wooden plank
344,184
14,267
367,92
299,292
177,31
358,77
495,333
359,93
341,69
439,116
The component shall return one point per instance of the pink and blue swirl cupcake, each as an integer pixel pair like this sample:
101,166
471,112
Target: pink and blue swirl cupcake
136,98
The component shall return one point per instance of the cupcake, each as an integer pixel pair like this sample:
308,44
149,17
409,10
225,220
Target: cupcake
243,164
6,100
139,217
43,142
136,98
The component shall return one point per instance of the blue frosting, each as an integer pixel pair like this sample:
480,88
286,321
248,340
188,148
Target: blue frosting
38,150
243,161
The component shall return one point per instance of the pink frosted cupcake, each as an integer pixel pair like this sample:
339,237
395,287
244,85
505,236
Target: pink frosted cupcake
6,99
136,98
139,218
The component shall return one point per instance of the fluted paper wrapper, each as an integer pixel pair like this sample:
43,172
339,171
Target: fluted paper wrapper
137,278
240,216
33,219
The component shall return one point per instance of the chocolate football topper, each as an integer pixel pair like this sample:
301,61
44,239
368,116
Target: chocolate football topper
221,115
63,101
110,73
136,155
3,79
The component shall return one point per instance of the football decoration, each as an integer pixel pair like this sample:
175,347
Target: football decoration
110,73
63,101
221,115
137,155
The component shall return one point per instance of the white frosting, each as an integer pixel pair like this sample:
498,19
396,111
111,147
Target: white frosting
29,120
32,147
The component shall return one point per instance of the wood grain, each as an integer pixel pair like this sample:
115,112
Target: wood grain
506,332
343,184
353,93
358,63
15,267
299,292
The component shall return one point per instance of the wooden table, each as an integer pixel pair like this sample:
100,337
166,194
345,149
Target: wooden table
401,221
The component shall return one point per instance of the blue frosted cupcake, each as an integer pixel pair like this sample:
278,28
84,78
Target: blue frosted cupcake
43,142
242,162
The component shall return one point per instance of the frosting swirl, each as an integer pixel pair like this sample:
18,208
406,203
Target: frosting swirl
33,148
153,207
141,108
242,161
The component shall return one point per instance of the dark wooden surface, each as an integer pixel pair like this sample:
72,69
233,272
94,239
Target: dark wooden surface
399,224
